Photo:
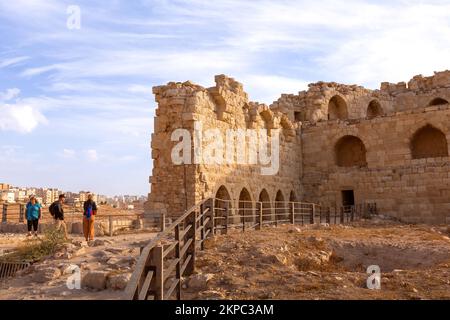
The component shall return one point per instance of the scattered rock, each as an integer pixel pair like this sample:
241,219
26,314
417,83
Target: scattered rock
95,280
79,244
79,252
115,250
46,274
199,281
118,281
212,295
77,228
103,256
98,243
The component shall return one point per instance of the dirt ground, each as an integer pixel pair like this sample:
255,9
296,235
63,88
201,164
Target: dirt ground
327,262
112,255
288,262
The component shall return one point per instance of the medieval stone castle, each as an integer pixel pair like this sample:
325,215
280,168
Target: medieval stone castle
340,145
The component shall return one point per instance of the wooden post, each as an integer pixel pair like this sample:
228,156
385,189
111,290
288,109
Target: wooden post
157,259
276,213
177,256
211,215
202,226
341,220
243,218
328,215
260,215
111,226
313,213
191,234
21,213
352,213
163,221
227,205
293,212
5,213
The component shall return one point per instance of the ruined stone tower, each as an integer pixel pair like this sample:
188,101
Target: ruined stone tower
339,144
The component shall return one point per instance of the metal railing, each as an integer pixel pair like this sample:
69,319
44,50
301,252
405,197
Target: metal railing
9,269
171,255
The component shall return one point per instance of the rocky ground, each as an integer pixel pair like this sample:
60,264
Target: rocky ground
105,266
288,262
324,262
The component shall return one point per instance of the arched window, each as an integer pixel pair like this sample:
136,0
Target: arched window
350,152
429,142
438,102
266,206
246,206
374,109
337,108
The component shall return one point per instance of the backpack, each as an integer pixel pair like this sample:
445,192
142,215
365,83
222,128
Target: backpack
89,211
53,209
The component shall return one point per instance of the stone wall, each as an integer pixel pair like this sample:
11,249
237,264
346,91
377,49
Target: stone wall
225,106
412,189
380,123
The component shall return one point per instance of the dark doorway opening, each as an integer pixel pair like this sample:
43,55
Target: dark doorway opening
348,198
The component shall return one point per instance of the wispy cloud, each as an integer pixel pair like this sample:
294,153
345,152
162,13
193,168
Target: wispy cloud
9,94
12,61
92,155
93,85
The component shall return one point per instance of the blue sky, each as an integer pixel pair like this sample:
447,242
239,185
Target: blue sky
76,107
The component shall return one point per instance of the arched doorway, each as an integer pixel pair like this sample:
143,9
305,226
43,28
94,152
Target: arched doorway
374,109
429,142
350,152
246,206
438,102
266,205
223,207
280,207
337,108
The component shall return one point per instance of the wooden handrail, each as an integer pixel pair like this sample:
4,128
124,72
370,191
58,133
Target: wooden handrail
131,290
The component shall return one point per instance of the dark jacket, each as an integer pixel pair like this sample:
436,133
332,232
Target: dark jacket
59,210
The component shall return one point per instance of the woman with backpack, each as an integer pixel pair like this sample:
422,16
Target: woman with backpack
90,210
34,211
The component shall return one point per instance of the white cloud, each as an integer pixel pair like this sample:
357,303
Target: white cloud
68,153
9,94
267,89
92,155
20,118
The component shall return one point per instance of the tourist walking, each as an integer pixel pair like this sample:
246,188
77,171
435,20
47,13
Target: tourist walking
89,212
57,211
33,213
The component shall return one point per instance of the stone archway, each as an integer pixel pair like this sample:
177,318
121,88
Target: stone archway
280,206
429,142
350,152
374,109
337,108
246,206
264,198
221,202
